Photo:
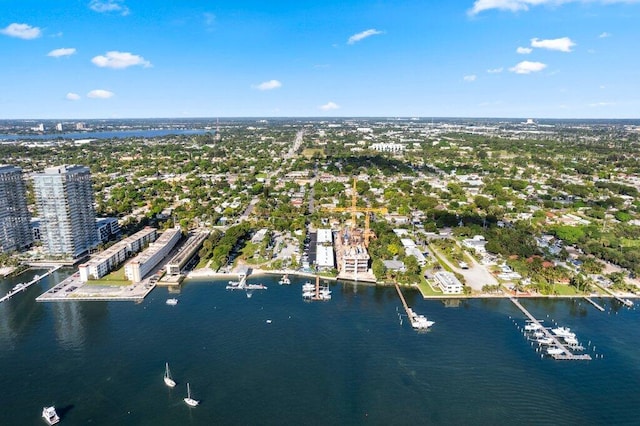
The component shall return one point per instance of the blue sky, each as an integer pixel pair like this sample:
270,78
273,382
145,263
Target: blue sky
417,58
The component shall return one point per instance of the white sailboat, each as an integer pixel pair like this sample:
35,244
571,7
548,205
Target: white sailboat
167,377
190,401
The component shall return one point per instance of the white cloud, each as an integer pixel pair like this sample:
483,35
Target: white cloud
523,5
601,104
563,44
72,96
268,85
119,60
65,51
23,31
362,35
527,67
604,35
524,50
470,78
106,6
329,106
100,94
495,70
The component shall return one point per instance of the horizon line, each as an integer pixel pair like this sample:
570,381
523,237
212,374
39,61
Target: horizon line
341,117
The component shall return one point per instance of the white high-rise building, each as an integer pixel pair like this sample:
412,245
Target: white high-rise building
15,229
64,197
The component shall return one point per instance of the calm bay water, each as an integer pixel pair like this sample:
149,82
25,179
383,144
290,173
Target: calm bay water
344,362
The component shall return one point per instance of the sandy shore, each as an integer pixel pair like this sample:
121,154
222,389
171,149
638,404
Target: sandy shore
210,273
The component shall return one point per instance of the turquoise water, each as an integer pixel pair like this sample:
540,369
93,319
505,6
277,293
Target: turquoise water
344,362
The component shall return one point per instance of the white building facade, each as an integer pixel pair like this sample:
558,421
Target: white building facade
448,283
136,269
64,196
105,262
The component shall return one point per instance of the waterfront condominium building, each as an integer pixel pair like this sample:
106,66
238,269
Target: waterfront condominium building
15,229
64,197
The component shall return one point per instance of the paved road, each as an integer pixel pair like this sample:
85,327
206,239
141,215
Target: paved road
248,210
296,145
476,276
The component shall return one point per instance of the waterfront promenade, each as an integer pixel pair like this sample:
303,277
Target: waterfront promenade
73,290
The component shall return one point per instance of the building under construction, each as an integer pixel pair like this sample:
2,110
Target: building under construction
351,243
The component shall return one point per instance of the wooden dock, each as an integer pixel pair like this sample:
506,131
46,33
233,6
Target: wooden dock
404,302
598,307
566,353
418,322
24,286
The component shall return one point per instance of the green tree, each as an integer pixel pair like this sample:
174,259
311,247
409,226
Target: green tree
379,270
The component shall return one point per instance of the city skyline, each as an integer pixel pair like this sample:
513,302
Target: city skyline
483,58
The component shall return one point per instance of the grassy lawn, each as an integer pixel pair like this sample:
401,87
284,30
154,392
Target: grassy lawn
426,289
114,278
566,290
309,152
436,253
626,242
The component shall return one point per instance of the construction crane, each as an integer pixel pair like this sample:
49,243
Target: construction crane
354,209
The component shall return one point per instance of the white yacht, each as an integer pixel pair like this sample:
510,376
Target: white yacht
324,294
571,340
308,286
236,285
172,301
421,322
256,286
545,340
50,416
167,377
532,326
563,332
554,351
284,280
190,401
308,294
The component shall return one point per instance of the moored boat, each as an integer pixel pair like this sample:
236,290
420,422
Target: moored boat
50,416
167,377
190,401
554,351
284,280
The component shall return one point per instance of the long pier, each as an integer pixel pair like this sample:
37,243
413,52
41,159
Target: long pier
598,307
23,286
566,353
419,322
626,302
404,303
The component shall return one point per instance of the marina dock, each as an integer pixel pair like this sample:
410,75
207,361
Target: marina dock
566,354
23,286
